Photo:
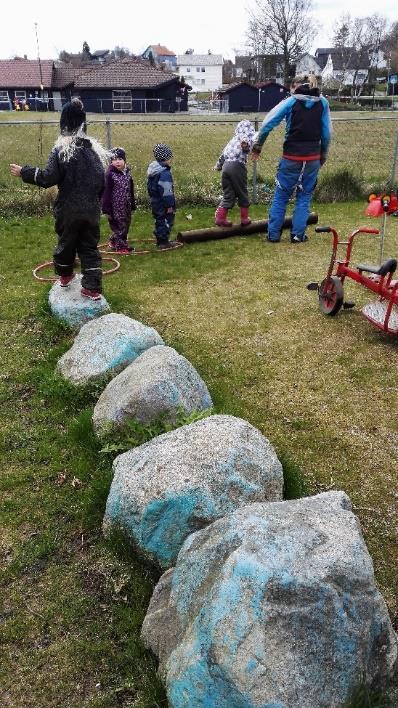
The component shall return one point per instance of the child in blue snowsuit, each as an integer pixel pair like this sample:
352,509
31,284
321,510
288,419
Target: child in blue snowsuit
161,193
307,138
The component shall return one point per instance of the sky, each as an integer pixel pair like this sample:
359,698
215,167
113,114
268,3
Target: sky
218,25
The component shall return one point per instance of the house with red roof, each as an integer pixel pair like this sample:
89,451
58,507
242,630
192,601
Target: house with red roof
130,85
24,82
161,56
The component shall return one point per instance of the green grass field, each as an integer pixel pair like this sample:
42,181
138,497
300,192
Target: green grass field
323,390
363,147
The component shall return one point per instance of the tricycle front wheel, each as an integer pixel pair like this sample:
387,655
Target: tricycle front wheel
331,295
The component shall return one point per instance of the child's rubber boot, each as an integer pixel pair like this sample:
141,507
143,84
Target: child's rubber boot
221,217
90,294
65,280
244,216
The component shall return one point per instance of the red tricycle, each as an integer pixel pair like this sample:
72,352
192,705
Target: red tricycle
383,313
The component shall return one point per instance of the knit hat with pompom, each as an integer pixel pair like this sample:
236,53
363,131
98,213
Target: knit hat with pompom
162,152
73,116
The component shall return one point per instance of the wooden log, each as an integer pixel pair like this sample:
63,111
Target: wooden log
218,232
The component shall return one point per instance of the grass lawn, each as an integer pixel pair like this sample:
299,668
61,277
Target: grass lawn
323,390
363,147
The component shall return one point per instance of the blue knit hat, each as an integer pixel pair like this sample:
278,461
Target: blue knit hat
162,152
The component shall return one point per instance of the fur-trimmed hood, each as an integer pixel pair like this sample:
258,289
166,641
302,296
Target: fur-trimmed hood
66,146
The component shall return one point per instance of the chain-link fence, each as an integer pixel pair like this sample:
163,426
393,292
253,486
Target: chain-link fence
363,155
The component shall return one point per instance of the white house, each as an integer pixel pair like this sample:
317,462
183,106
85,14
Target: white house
344,65
202,71
307,64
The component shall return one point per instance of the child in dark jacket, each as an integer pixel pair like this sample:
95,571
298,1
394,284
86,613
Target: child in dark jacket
77,165
118,201
232,162
161,193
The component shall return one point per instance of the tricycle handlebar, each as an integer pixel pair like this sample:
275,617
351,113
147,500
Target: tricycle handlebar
322,229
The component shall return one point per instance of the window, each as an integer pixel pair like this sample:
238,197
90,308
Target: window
122,100
203,81
203,69
188,69
4,96
20,94
198,68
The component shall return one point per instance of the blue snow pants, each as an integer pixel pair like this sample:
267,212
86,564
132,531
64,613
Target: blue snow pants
299,175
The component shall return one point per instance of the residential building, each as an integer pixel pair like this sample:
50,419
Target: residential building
244,97
160,55
307,64
202,71
125,85
25,82
260,67
128,85
343,65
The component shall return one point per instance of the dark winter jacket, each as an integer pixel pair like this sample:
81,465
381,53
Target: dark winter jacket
308,126
160,187
76,165
119,191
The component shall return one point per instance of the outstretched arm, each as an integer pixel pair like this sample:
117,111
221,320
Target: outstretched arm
51,175
272,119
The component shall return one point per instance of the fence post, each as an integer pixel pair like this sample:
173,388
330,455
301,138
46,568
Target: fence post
254,185
394,163
108,134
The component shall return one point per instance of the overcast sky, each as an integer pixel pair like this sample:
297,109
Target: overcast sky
218,25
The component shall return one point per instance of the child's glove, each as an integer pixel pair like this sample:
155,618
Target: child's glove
217,167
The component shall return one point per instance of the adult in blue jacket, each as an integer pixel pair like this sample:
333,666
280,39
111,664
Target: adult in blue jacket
305,148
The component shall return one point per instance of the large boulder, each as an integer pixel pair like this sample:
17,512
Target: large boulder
68,305
105,346
159,384
183,480
273,605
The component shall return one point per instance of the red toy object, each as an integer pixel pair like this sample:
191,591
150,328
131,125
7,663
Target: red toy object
383,313
382,204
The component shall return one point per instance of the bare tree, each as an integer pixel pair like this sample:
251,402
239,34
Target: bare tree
390,46
357,44
281,27
119,53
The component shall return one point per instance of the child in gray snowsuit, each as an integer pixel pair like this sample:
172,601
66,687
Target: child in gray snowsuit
232,162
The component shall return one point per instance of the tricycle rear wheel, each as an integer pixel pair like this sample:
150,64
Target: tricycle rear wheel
331,295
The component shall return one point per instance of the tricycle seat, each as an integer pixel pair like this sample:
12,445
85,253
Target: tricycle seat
389,266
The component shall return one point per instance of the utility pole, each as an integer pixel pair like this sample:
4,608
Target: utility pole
38,57
388,72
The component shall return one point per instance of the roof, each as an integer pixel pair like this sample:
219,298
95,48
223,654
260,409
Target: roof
100,53
65,75
161,50
200,59
344,58
25,73
266,84
236,84
125,73
261,85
